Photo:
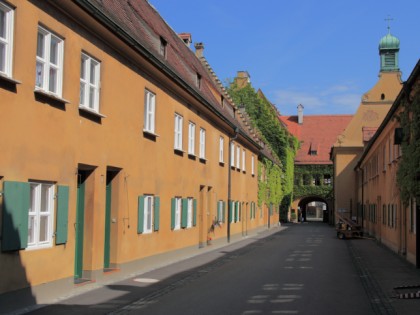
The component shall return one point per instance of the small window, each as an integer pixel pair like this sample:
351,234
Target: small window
49,62
191,138
220,211
177,213
189,212
202,153
178,132
41,215
6,39
198,81
252,165
163,47
243,160
232,154
89,82
148,213
149,111
221,149
382,96
238,157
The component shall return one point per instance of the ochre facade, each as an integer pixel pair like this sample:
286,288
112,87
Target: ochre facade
106,159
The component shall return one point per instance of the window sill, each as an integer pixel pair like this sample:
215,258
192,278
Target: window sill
150,133
51,96
91,111
9,80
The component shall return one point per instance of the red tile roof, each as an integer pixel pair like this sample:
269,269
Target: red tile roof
317,133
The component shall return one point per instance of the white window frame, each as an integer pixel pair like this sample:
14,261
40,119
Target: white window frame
221,149
178,211
190,204
202,153
45,66
220,210
39,212
232,154
149,111
238,157
90,71
6,41
191,138
252,165
149,205
178,121
243,161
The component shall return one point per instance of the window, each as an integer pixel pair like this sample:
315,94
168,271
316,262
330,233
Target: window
178,132
189,212
191,138
49,62
148,214
238,157
252,165
198,81
162,48
243,160
176,213
232,154
221,149
41,212
384,158
149,111
202,143
327,179
89,82
6,39
220,211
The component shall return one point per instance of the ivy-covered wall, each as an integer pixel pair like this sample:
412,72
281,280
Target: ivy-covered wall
276,185
409,166
313,180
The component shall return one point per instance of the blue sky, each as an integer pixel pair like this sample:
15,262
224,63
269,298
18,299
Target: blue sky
320,53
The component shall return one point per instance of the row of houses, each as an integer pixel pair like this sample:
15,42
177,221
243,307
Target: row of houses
375,157
119,143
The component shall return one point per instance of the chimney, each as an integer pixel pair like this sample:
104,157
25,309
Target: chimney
186,38
243,79
199,48
300,114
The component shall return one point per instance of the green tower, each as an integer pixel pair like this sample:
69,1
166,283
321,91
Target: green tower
389,46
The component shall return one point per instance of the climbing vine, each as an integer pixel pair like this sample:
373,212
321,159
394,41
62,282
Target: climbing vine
409,166
306,177
278,186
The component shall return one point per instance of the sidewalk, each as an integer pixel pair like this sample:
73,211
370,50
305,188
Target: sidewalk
386,277
176,262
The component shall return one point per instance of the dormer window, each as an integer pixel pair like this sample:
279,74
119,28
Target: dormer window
163,45
313,150
198,81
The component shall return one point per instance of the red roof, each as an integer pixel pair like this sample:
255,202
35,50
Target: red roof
317,135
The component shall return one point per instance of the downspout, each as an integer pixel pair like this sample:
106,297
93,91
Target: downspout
363,197
229,218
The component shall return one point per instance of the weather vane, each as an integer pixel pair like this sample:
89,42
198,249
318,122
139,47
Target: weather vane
388,20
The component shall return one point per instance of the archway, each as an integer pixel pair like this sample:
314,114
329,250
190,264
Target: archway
313,208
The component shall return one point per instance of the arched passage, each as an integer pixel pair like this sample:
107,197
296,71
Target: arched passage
313,208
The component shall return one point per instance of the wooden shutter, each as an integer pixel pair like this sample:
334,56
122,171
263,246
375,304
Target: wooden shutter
224,212
236,204
140,214
62,215
16,203
194,212
184,213
173,205
156,214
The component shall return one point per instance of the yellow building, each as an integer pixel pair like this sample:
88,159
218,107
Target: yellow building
118,144
373,108
383,214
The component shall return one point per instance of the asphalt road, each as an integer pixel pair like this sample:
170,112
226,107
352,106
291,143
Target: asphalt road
303,269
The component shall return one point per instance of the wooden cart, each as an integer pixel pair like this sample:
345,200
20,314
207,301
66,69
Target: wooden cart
347,228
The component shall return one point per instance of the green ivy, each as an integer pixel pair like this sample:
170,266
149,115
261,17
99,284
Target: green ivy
301,190
409,166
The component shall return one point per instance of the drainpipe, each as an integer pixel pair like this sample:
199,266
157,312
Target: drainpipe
229,183
363,197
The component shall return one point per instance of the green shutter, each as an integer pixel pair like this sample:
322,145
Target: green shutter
173,205
232,208
156,214
194,212
62,215
16,203
224,212
184,213
140,220
236,211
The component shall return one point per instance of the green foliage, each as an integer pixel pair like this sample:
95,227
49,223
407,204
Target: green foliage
322,190
409,166
279,181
